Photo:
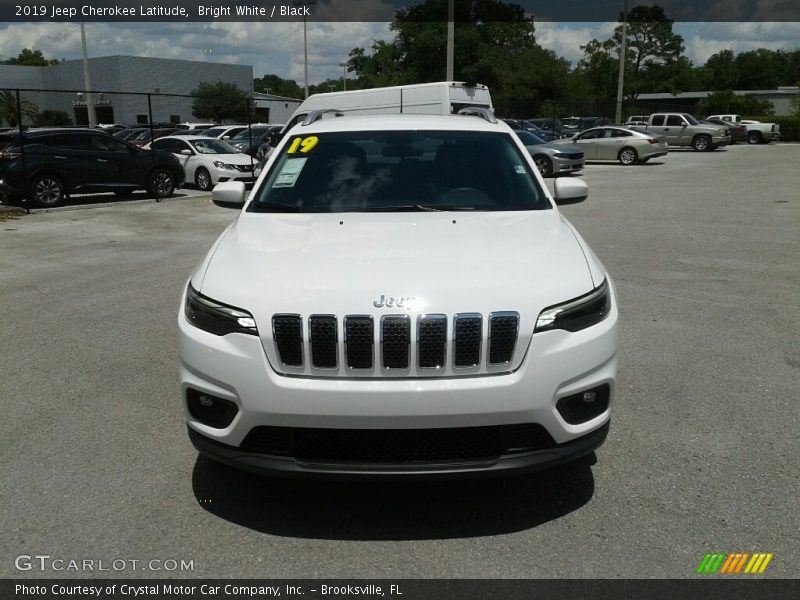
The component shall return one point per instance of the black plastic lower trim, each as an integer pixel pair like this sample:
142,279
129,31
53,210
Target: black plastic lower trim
505,465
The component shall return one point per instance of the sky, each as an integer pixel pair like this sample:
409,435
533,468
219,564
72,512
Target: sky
278,47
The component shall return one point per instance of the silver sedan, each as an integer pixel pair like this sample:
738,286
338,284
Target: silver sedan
624,144
551,159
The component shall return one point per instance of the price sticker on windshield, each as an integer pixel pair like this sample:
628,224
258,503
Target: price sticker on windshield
304,145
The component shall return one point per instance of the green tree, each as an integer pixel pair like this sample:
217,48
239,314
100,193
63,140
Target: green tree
727,102
29,58
653,56
8,109
273,84
52,118
221,101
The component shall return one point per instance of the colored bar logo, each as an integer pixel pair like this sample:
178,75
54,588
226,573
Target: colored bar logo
734,563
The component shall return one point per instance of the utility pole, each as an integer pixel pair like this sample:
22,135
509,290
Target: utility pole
87,81
344,76
451,12
621,78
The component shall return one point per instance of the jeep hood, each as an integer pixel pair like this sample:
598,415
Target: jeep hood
450,262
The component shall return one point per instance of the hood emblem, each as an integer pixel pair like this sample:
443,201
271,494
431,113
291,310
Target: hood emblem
390,302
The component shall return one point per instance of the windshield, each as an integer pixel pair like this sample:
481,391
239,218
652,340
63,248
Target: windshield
400,170
212,146
690,119
213,132
529,139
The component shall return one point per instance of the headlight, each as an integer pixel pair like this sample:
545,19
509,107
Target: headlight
222,165
217,318
577,314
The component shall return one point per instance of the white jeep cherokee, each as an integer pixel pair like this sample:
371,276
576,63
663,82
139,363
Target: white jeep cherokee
400,296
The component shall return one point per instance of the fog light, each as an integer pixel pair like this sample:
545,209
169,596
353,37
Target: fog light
210,410
584,406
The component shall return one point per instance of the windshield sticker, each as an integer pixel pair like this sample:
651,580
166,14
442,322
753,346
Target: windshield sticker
519,169
289,172
305,145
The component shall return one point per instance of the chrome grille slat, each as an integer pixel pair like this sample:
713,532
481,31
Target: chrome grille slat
395,341
467,340
431,341
287,331
323,341
359,341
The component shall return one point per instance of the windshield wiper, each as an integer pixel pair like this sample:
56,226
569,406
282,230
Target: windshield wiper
277,207
409,208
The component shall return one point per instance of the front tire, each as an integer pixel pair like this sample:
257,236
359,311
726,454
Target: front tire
161,183
47,191
627,156
702,143
544,164
202,179
754,137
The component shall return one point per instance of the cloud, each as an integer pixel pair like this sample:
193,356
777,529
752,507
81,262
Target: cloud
566,39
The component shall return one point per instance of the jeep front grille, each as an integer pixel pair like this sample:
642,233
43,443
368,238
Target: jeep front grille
399,340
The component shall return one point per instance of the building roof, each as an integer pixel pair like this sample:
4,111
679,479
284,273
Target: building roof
263,96
781,91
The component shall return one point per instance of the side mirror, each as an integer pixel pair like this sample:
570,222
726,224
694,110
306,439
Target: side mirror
569,190
226,137
186,152
229,194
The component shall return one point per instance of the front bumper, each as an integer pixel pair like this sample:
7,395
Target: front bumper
567,165
557,364
506,465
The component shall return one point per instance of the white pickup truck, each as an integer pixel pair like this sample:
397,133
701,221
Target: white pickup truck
757,132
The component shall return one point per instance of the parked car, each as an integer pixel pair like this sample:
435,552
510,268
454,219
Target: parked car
328,332
60,162
525,125
756,131
130,132
195,127
144,137
737,131
551,159
208,161
682,129
636,119
249,140
626,145
554,126
577,124
222,132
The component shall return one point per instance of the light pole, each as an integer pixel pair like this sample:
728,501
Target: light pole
451,11
621,77
87,82
344,76
305,42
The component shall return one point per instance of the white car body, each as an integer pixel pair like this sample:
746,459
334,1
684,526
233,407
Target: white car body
419,265
758,132
245,168
224,132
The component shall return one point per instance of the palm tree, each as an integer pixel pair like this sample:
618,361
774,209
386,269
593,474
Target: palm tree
8,109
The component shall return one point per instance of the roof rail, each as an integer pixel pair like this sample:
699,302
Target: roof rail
479,111
316,115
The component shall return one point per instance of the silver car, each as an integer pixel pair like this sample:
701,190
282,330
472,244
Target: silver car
551,159
624,144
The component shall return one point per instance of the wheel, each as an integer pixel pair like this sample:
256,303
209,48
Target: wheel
202,179
753,137
544,164
47,191
627,156
161,183
701,143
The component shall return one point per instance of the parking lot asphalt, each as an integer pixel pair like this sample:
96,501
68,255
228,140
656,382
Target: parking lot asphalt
702,455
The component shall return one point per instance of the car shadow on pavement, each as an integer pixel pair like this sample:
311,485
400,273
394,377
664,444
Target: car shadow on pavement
339,510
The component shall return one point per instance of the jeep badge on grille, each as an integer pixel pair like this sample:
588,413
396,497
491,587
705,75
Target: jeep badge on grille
389,302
